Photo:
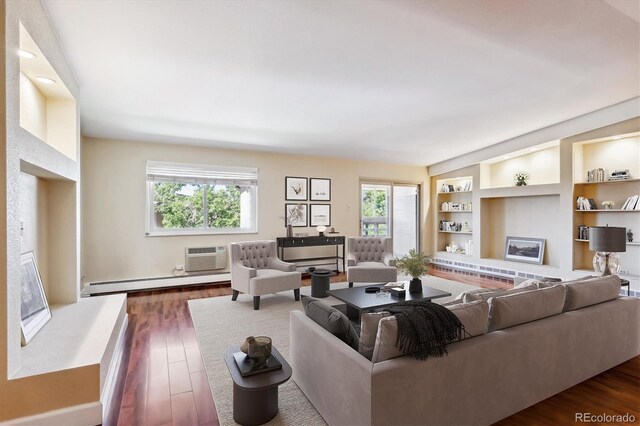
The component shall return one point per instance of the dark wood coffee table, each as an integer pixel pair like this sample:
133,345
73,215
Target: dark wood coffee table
358,301
255,398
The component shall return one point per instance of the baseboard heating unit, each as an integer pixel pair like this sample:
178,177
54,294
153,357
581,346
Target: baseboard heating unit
140,284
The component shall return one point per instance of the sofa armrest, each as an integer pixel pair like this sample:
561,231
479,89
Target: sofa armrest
333,376
275,263
240,276
389,260
351,259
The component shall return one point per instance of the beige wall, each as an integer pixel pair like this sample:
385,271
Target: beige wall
542,167
114,201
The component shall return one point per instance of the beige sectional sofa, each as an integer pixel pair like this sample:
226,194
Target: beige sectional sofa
555,345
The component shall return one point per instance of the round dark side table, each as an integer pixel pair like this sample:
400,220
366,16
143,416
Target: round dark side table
320,280
255,398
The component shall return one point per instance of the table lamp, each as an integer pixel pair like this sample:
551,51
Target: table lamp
607,242
321,229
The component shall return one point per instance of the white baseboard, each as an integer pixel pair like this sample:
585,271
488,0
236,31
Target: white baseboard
111,379
83,414
152,283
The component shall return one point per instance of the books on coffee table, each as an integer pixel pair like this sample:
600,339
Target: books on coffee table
248,367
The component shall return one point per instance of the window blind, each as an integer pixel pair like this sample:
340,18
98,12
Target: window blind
162,171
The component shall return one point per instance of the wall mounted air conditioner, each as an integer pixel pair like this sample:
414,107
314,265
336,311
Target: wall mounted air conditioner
205,258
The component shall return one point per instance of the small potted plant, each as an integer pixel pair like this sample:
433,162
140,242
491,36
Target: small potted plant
521,178
416,265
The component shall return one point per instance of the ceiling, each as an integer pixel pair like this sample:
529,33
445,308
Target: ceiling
415,82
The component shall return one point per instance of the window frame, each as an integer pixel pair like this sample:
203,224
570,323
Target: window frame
152,231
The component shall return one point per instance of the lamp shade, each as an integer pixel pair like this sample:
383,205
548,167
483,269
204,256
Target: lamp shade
607,239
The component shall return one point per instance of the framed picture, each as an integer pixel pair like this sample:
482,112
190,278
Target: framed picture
295,215
34,309
522,249
320,189
320,214
295,188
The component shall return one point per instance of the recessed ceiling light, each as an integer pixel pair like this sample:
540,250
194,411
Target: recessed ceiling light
617,137
26,54
46,80
533,149
506,157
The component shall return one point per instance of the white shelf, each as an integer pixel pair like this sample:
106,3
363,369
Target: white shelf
455,211
607,182
455,232
608,211
78,335
454,192
586,241
521,191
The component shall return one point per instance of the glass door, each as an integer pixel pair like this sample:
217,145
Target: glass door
405,223
391,210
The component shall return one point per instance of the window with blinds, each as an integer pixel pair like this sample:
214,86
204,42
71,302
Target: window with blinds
201,199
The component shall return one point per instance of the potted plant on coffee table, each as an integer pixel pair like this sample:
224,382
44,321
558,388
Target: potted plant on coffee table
414,264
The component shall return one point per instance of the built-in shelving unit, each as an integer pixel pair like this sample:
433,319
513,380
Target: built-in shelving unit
616,152
454,199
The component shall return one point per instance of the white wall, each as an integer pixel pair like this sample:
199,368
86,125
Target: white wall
114,201
33,217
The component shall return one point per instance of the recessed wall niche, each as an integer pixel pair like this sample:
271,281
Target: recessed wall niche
47,108
540,162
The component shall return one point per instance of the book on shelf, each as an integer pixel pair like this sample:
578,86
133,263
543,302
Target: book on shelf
632,203
584,203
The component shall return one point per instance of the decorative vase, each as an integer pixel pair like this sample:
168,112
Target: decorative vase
289,231
521,183
415,286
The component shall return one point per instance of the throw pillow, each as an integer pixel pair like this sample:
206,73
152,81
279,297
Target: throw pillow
368,332
473,316
519,308
461,296
529,283
331,319
587,292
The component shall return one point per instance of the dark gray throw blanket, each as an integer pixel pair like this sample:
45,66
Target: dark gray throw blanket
425,328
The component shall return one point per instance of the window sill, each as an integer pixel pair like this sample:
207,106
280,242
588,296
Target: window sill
196,232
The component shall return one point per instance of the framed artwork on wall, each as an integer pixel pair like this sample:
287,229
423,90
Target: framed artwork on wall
296,215
320,214
295,188
522,249
320,189
34,309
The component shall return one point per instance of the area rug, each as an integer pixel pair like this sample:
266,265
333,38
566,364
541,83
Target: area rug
220,323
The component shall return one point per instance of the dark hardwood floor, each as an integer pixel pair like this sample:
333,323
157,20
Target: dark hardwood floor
165,382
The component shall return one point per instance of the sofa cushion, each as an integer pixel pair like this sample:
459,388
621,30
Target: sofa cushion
473,316
472,297
591,291
331,319
519,308
369,331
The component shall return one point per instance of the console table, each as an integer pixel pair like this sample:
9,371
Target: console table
297,242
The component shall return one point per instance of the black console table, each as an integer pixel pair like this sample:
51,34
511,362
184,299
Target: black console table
297,242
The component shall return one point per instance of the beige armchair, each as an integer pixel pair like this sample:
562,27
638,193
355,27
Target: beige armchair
256,270
370,259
